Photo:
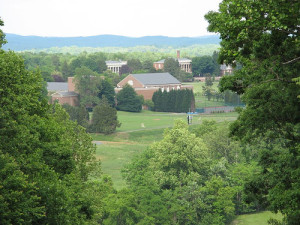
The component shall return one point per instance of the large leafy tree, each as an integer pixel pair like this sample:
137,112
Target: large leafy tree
44,157
202,65
87,84
172,66
264,37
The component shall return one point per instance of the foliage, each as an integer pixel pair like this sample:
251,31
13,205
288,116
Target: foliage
263,37
45,157
172,66
171,183
134,64
202,65
106,90
104,118
78,114
173,101
87,83
2,35
128,100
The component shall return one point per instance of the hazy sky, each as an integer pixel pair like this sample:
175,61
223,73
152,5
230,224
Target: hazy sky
133,18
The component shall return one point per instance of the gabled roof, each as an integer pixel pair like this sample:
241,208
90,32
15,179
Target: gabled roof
156,78
57,86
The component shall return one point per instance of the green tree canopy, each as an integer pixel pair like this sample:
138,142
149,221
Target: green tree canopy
134,64
87,83
172,66
202,65
45,157
264,37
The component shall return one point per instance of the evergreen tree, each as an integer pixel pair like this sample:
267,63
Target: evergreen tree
128,100
104,118
107,90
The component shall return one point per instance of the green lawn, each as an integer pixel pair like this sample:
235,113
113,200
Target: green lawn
154,120
260,218
117,149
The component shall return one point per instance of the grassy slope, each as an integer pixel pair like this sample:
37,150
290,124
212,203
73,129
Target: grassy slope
260,218
131,139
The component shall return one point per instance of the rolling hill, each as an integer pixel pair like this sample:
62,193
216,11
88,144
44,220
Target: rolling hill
21,43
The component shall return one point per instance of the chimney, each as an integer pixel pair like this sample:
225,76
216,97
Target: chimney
178,54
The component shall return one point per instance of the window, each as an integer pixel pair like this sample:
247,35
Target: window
130,82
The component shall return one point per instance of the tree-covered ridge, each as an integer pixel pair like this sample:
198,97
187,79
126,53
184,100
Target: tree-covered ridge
20,43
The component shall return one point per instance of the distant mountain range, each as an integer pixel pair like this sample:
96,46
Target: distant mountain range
21,43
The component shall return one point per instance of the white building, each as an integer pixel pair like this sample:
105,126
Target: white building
115,66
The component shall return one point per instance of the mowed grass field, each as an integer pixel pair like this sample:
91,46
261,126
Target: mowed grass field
260,218
137,132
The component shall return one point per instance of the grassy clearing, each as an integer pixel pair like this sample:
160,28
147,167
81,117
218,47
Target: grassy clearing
260,218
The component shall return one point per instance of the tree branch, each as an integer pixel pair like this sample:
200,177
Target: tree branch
293,60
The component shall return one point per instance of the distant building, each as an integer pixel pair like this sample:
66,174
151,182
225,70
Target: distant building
115,66
225,69
148,83
63,92
184,63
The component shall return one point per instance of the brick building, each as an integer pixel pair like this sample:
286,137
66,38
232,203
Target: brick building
63,92
225,70
148,83
184,63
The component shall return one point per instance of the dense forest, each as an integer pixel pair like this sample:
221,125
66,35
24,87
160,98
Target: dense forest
204,174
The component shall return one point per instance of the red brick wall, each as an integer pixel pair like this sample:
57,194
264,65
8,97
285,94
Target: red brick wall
158,66
136,83
71,84
71,100
147,93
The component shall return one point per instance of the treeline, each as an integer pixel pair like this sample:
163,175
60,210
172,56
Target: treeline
137,52
174,101
57,67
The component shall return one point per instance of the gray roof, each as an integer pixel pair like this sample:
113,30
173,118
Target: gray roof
184,60
156,78
57,86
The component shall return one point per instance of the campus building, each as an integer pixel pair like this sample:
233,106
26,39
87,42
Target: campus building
184,63
115,66
63,92
147,83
